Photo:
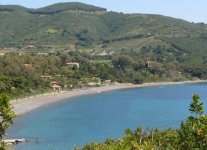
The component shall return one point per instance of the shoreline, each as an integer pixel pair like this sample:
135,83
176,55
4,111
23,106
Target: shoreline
26,105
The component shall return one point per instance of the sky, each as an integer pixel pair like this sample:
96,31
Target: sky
190,10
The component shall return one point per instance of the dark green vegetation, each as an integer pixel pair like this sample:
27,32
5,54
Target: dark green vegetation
6,116
113,46
192,135
26,74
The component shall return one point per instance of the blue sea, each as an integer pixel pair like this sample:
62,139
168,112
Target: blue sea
93,118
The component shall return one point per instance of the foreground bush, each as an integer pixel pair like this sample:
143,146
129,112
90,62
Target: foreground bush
6,117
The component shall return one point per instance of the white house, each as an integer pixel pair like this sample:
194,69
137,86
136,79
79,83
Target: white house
72,64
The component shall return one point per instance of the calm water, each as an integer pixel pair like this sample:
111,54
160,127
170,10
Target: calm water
97,117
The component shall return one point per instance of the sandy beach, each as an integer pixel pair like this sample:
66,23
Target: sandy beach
29,104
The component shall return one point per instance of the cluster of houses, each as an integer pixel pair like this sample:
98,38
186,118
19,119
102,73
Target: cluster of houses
54,84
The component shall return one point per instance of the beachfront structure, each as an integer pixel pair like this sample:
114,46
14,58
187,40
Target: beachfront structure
72,64
53,82
107,81
92,84
55,85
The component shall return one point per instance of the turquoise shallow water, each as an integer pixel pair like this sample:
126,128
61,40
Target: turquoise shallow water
96,117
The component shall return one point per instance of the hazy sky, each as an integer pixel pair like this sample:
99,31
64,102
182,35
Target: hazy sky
191,10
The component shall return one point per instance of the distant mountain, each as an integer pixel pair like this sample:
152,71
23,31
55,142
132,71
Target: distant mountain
65,24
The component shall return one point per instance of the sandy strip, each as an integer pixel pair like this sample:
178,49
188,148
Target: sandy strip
26,105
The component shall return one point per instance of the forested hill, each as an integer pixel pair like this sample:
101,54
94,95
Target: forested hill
111,46
87,26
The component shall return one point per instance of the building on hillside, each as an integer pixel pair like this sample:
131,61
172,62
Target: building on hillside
42,54
27,65
148,34
104,53
58,75
2,54
46,77
30,46
153,65
72,64
92,84
22,53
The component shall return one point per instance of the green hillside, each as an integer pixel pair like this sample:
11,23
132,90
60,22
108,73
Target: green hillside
125,48
87,26
176,44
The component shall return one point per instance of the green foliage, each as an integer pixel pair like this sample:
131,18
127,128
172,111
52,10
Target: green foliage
6,117
20,75
145,48
177,45
122,61
3,146
193,132
196,106
190,136
6,114
83,37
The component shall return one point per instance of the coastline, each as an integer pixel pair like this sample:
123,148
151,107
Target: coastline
26,105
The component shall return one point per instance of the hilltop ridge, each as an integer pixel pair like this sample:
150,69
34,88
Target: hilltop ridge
56,7
60,7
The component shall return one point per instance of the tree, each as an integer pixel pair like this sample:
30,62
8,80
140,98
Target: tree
122,61
6,115
193,132
196,106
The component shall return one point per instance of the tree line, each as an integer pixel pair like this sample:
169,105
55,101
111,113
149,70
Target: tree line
21,74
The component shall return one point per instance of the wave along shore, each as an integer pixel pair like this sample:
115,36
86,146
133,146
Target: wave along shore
27,105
